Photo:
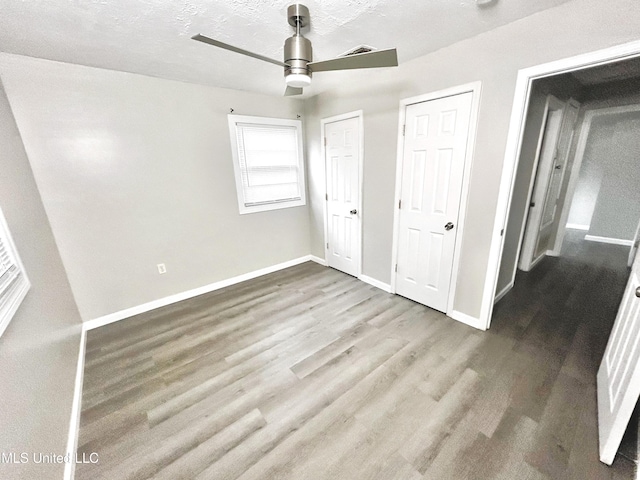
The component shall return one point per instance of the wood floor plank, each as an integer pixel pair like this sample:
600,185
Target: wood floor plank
365,455
324,438
426,442
304,447
313,340
396,468
323,356
459,456
288,413
196,460
558,424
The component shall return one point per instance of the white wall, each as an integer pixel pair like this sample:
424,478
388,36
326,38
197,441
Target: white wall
39,349
608,194
136,171
494,58
586,194
611,94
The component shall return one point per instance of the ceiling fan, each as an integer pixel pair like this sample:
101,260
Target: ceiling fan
298,56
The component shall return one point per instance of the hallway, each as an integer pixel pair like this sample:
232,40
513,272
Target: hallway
564,309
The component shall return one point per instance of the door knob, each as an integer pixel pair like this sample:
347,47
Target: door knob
353,212
448,226
638,292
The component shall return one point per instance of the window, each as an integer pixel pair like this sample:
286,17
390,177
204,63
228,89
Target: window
268,163
13,281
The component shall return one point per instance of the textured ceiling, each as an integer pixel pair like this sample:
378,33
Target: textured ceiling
152,37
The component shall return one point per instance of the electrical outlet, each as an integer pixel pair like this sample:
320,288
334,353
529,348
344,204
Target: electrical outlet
162,268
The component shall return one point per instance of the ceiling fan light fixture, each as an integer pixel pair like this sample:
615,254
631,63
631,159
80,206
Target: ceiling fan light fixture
297,54
298,80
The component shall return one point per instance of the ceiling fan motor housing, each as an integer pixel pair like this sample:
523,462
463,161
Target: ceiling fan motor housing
297,54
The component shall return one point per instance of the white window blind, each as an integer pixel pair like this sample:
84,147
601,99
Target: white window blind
268,162
8,269
13,281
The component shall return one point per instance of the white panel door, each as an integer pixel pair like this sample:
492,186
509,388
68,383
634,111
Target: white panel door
435,146
342,153
619,373
552,124
550,206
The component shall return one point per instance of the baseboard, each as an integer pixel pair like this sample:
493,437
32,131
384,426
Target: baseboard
178,297
503,292
467,319
74,424
319,260
376,283
578,226
613,241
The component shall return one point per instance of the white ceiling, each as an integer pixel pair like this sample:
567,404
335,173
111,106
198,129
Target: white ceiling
152,37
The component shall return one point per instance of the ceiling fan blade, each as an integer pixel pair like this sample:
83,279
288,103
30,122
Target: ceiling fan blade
379,58
292,91
226,46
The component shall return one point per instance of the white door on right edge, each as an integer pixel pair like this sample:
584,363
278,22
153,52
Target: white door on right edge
435,145
619,373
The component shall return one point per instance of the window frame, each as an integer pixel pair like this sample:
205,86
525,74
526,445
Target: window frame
234,120
11,299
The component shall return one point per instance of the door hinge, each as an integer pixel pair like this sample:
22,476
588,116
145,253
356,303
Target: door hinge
326,197
399,204
327,246
502,232
396,267
325,141
404,130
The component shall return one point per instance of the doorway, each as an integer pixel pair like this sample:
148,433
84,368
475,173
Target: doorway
600,95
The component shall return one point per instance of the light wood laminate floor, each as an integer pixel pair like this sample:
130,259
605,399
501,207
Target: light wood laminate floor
309,373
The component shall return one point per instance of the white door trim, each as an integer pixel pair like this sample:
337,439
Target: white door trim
323,122
514,143
475,88
552,103
634,246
